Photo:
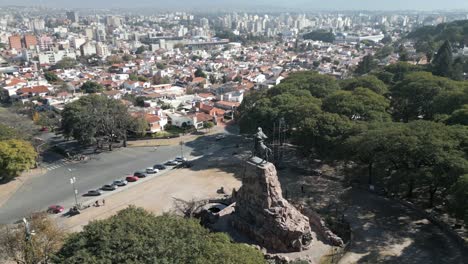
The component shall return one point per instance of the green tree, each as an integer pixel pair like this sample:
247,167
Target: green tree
420,154
136,236
320,35
133,77
360,104
318,85
92,87
458,198
96,119
51,77
208,125
459,116
200,73
443,60
413,97
324,135
66,63
371,82
140,50
139,126
366,65
7,132
16,156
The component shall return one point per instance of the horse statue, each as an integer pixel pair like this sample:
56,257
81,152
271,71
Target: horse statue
260,148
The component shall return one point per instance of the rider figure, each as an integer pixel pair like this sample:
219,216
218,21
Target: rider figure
259,140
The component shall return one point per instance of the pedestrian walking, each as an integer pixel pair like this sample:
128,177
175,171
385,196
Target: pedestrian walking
103,202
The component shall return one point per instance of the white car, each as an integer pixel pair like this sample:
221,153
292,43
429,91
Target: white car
151,170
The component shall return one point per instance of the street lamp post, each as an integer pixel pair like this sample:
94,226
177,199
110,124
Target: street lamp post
75,191
182,148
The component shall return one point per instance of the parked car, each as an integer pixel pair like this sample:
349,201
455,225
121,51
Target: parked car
180,159
44,129
151,170
55,209
120,183
219,137
140,174
171,163
94,193
159,167
109,187
132,178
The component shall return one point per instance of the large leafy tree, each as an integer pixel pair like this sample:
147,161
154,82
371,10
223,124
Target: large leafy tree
318,85
92,87
96,119
16,156
366,65
413,97
371,82
443,60
420,154
360,104
136,236
458,198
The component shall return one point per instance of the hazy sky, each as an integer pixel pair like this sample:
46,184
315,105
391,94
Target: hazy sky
299,4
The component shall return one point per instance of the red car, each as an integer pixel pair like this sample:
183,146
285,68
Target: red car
44,129
55,209
132,178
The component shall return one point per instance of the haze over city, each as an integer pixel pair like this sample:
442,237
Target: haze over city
224,4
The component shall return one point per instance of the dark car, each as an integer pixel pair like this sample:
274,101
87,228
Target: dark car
93,193
132,178
109,187
55,209
159,167
140,174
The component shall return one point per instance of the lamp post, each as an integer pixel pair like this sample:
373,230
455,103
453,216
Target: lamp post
181,143
75,191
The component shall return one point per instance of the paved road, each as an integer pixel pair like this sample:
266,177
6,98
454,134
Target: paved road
54,187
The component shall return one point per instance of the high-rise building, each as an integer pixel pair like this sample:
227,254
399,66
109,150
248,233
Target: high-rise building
30,41
102,50
15,42
45,43
73,16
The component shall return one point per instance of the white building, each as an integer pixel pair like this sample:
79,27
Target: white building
52,57
88,49
102,50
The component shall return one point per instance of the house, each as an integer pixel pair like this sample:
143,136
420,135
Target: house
156,123
33,91
114,94
208,109
183,120
227,105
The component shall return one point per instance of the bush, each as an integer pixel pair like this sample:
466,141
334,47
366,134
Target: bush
136,236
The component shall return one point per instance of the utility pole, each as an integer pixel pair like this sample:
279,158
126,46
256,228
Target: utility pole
75,191
181,143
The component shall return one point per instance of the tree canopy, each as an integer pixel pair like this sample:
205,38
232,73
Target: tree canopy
318,85
92,87
320,35
136,236
95,119
16,156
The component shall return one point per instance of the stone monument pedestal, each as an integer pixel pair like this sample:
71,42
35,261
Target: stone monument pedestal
262,214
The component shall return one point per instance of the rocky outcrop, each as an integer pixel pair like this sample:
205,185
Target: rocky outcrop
264,215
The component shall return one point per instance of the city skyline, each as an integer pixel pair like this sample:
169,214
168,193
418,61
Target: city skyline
425,5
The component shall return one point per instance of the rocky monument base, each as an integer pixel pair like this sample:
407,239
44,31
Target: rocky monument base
262,214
